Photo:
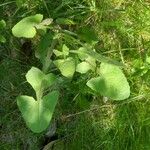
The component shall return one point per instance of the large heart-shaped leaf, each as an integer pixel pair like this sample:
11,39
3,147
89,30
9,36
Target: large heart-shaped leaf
37,79
26,27
37,114
111,83
66,66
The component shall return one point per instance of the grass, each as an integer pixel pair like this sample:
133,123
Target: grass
84,122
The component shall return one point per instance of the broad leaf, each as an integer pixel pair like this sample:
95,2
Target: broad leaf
111,83
37,114
66,66
26,27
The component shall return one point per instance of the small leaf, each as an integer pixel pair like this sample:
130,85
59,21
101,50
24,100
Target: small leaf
83,67
58,53
66,66
2,39
111,83
37,78
47,22
37,114
65,50
26,27
148,60
2,24
81,53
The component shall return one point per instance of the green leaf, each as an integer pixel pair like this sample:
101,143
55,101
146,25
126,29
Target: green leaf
58,53
148,60
111,83
2,39
92,62
37,114
37,78
27,26
20,3
65,50
66,66
2,24
83,67
47,21
81,53
48,80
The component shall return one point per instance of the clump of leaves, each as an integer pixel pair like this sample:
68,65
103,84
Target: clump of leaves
111,82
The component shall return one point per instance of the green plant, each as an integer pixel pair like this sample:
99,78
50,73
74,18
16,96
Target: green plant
107,77
37,113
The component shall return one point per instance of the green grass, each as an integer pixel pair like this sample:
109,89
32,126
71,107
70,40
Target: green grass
85,122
